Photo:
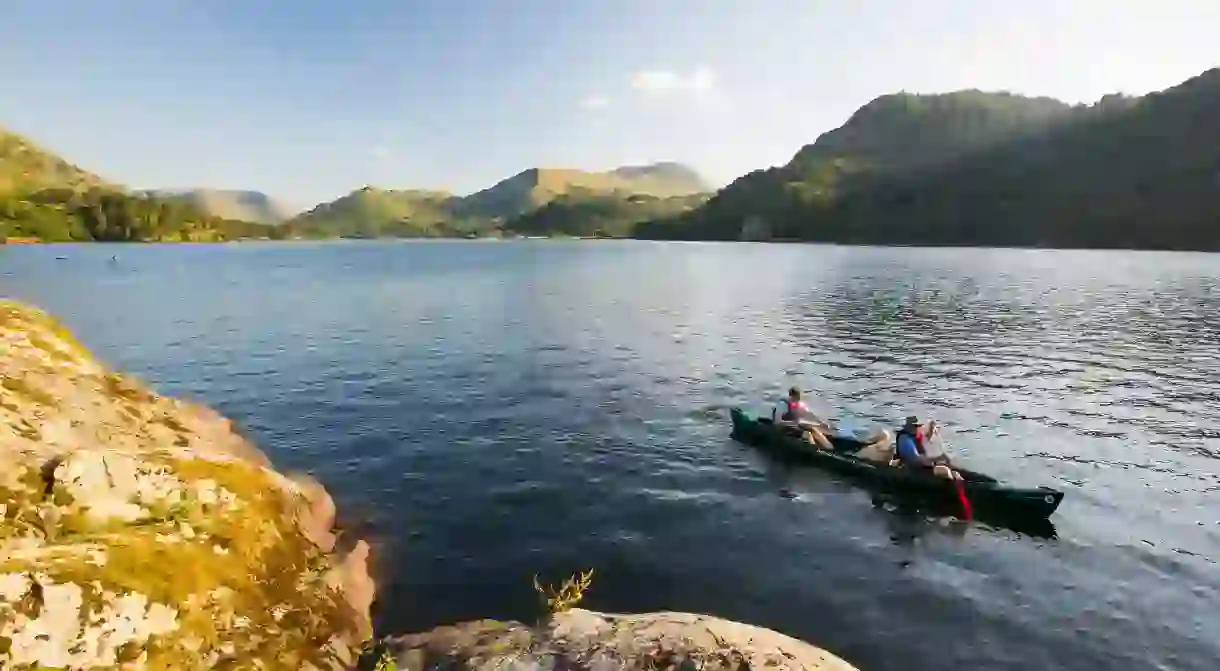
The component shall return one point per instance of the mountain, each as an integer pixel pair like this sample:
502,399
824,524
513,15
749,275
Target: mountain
24,166
253,206
664,179
893,135
991,169
372,212
44,197
595,214
533,188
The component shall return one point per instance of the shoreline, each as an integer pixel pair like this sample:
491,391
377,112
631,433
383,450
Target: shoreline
811,243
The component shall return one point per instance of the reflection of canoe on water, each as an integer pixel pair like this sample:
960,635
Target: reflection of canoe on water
987,496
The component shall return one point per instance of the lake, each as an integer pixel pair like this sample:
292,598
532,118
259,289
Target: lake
492,410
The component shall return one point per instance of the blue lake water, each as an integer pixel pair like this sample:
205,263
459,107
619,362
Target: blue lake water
488,411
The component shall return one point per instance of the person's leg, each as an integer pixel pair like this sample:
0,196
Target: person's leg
816,437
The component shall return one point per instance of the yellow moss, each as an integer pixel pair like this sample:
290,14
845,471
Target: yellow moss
117,386
14,315
26,389
224,579
21,494
181,573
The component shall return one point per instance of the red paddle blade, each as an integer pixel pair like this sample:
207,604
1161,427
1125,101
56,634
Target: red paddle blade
967,511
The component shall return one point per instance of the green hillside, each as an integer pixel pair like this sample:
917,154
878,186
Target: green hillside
593,214
893,135
991,169
370,212
26,167
44,197
105,215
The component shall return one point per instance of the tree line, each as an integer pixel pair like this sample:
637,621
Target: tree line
103,215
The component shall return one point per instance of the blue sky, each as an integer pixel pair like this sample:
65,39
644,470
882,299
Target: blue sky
308,100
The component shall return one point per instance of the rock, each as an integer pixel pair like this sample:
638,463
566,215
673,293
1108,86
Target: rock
316,515
581,639
139,531
351,578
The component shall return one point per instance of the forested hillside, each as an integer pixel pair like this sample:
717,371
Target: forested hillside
973,168
585,214
44,197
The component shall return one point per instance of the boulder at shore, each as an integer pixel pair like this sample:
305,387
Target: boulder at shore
582,640
138,531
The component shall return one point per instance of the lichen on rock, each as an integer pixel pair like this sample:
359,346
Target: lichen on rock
138,531
582,640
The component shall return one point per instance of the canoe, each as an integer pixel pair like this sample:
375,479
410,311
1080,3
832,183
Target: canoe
986,495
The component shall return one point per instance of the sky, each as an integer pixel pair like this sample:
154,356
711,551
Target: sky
309,100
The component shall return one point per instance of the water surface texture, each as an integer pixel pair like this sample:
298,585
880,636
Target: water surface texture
495,410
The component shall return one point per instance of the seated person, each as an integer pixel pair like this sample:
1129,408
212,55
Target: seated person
793,412
910,445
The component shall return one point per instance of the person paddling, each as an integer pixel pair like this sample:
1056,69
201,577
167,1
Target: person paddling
912,444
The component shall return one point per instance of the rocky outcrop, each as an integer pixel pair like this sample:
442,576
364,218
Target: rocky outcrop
139,531
581,639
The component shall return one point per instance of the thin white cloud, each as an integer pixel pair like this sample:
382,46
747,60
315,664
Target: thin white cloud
654,80
699,80
595,102
381,152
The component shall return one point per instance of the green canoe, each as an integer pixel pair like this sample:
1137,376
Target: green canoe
985,494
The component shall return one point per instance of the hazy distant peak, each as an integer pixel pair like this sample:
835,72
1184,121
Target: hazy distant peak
676,173
238,204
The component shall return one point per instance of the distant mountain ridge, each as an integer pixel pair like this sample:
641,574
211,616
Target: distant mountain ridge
372,212
240,205
535,187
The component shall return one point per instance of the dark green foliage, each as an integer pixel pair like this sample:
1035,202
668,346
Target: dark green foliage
62,215
44,197
992,169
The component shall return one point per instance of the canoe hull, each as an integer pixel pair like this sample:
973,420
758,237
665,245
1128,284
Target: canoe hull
986,495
